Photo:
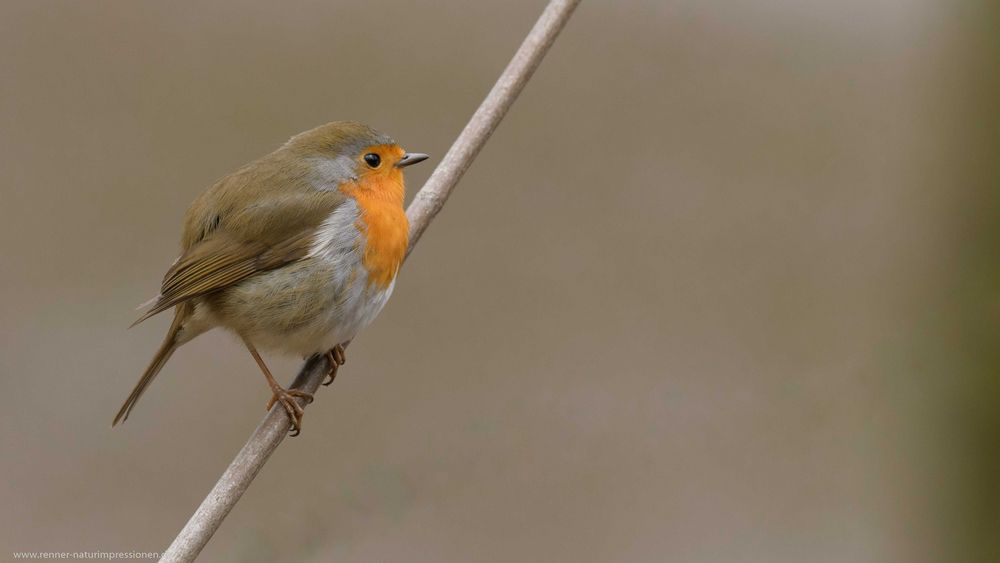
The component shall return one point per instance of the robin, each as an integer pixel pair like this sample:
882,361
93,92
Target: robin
295,252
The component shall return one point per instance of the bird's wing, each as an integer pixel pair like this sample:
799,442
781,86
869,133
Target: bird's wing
226,242
220,261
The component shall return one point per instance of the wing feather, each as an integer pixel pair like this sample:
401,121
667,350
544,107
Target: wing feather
218,262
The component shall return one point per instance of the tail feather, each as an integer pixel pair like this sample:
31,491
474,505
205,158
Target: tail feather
170,343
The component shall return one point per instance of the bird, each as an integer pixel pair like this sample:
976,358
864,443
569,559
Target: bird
294,253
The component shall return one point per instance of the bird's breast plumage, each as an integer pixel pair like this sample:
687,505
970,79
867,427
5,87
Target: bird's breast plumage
383,224
359,251
325,299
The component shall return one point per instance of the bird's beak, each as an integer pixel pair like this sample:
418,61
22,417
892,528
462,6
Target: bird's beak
411,158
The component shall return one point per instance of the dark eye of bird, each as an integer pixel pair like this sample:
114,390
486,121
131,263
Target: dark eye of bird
373,160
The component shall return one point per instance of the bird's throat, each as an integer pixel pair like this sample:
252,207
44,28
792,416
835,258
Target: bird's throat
383,222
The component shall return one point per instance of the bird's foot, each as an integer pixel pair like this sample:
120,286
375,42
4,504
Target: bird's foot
336,358
287,398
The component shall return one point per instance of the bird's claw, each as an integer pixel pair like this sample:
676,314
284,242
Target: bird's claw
336,358
287,398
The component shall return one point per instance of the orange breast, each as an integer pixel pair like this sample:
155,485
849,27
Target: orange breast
383,223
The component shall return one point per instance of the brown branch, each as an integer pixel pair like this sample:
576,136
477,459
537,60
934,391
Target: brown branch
427,203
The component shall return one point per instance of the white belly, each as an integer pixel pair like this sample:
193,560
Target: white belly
359,310
338,321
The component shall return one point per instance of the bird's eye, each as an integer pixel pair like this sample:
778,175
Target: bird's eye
373,160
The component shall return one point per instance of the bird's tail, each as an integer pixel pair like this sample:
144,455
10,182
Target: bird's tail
170,343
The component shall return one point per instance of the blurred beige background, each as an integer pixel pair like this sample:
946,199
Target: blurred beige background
722,287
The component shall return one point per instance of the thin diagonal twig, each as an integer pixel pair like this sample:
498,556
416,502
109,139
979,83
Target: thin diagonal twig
427,203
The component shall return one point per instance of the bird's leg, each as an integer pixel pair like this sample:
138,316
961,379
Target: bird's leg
336,358
281,395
